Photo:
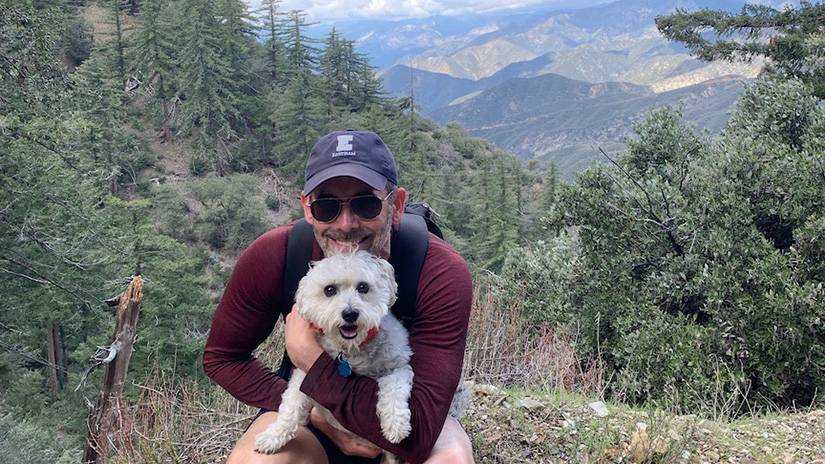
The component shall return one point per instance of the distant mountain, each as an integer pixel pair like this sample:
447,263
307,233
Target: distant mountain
612,42
388,42
435,90
553,118
598,27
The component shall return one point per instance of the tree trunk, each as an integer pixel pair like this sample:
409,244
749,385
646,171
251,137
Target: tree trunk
57,359
106,420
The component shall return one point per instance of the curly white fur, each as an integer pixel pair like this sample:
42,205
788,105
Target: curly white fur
346,295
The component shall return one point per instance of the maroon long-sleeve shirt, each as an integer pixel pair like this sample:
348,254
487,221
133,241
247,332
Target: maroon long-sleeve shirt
252,303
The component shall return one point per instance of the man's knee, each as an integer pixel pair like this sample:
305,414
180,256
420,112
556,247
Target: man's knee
304,448
453,445
452,455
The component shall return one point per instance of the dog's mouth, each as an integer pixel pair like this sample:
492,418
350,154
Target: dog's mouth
348,331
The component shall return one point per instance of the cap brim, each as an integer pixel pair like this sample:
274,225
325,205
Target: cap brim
364,174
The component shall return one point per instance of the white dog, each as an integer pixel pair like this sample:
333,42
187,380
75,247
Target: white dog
347,297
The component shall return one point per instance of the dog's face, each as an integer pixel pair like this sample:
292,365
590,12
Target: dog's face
346,295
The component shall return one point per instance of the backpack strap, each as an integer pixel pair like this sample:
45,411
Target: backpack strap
298,256
408,250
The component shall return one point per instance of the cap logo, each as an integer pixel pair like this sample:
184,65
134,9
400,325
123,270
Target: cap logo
344,147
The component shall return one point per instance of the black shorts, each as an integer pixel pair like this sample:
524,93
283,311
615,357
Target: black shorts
334,455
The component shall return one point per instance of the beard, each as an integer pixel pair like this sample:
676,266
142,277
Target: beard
335,241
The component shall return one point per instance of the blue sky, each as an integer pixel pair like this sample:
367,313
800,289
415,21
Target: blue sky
327,10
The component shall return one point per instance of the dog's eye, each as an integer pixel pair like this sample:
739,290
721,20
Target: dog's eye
330,290
363,287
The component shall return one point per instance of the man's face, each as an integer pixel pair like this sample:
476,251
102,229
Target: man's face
348,231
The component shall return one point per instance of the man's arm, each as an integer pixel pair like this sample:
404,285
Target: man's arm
244,318
437,338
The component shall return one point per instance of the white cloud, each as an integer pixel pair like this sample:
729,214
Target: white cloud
326,10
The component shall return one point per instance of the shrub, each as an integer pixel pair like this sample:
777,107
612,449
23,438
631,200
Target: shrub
78,41
699,273
233,211
25,443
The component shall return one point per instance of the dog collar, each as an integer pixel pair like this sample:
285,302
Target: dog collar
373,332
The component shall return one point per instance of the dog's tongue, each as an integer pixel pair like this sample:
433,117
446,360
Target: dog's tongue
349,331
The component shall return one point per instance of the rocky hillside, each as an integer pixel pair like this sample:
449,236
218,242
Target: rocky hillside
552,118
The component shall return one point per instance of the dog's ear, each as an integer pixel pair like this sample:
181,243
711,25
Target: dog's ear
387,273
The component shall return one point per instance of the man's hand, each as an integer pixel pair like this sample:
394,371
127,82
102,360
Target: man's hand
349,444
301,345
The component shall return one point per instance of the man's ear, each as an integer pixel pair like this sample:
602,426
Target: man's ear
398,202
305,206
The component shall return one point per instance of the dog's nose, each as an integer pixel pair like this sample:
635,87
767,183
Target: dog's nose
350,315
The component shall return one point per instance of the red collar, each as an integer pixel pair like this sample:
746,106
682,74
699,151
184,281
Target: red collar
373,332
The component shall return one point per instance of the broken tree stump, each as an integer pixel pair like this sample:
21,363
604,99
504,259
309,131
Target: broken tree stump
106,419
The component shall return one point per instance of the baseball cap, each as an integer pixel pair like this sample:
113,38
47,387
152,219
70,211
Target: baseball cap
350,153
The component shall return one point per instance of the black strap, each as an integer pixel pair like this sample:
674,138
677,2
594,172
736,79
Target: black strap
298,256
408,250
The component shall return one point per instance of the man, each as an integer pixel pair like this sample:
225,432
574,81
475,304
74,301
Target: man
352,200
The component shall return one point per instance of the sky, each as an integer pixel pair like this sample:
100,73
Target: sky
329,10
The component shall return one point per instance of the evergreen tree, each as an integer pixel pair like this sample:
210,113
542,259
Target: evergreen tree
300,107
334,73
213,79
302,55
368,88
154,58
270,24
793,39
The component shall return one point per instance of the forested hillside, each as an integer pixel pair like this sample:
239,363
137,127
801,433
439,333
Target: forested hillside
161,137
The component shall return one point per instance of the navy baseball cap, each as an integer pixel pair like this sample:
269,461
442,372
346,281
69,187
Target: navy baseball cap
359,154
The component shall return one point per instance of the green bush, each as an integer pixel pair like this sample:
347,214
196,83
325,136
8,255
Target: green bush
538,277
78,41
273,201
23,442
233,211
700,271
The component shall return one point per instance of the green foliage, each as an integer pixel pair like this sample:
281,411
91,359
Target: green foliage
692,281
25,442
78,41
792,39
232,217
539,277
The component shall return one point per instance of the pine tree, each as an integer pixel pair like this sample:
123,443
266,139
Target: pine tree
368,88
302,55
550,185
301,108
154,58
792,39
270,23
335,76
116,47
212,83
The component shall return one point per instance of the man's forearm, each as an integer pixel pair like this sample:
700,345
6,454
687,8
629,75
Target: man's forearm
248,380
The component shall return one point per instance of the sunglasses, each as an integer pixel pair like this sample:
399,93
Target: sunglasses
363,206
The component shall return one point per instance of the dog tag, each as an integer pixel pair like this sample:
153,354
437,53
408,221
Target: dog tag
344,369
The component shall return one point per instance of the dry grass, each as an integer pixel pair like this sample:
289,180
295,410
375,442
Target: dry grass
504,350
180,421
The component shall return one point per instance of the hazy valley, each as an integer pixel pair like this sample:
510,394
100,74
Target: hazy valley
554,86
